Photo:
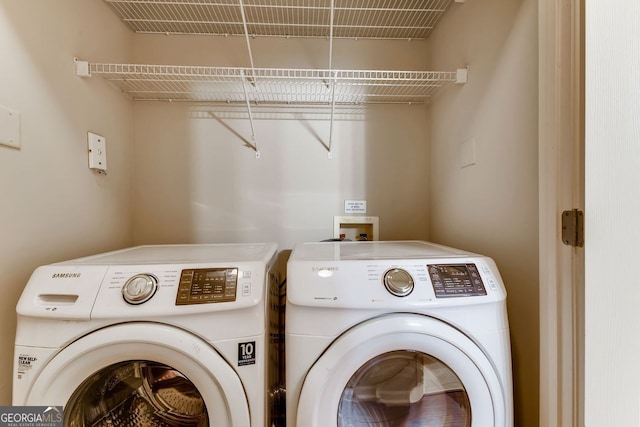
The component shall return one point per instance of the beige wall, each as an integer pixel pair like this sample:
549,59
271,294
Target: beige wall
53,206
196,180
492,206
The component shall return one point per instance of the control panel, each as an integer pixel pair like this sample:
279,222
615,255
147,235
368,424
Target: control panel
207,285
456,280
436,281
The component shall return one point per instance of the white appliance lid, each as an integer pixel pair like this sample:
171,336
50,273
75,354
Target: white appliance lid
180,254
372,250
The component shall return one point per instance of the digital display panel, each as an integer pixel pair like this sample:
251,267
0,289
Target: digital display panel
207,285
214,274
456,280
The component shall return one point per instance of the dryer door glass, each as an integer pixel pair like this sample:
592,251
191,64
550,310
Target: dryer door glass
404,388
136,393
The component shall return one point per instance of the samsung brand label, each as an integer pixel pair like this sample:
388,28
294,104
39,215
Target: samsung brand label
324,272
316,269
65,275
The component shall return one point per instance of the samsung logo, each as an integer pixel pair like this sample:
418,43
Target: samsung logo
65,275
316,269
324,272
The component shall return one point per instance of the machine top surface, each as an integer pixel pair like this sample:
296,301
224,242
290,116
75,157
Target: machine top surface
374,250
180,254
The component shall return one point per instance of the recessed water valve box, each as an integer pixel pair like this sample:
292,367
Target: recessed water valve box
355,227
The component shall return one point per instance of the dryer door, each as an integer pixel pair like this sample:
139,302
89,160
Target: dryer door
402,370
142,374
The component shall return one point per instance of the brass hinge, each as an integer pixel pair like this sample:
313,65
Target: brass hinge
573,228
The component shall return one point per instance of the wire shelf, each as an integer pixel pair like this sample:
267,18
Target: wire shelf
371,19
234,85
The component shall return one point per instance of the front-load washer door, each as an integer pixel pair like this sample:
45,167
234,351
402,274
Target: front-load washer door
142,374
402,370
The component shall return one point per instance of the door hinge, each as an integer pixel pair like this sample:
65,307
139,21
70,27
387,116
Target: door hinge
573,228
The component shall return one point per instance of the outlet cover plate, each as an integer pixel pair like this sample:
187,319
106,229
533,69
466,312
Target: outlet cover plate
97,151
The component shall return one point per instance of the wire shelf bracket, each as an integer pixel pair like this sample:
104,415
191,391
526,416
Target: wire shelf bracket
246,36
333,110
253,130
331,18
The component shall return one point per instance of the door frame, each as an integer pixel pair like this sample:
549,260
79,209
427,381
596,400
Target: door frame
561,187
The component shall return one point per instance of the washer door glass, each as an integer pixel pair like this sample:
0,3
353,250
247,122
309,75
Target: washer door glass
404,388
136,393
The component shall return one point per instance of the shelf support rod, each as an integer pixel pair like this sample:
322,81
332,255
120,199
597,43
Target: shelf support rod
246,36
253,131
331,35
333,109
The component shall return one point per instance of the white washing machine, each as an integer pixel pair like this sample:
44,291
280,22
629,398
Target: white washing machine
166,335
396,334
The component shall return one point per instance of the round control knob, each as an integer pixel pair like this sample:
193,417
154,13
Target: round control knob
139,288
398,282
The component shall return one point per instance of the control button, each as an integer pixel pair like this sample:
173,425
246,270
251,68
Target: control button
246,289
398,282
139,288
246,274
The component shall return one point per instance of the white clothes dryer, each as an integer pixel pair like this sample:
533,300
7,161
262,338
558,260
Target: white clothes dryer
163,335
403,333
